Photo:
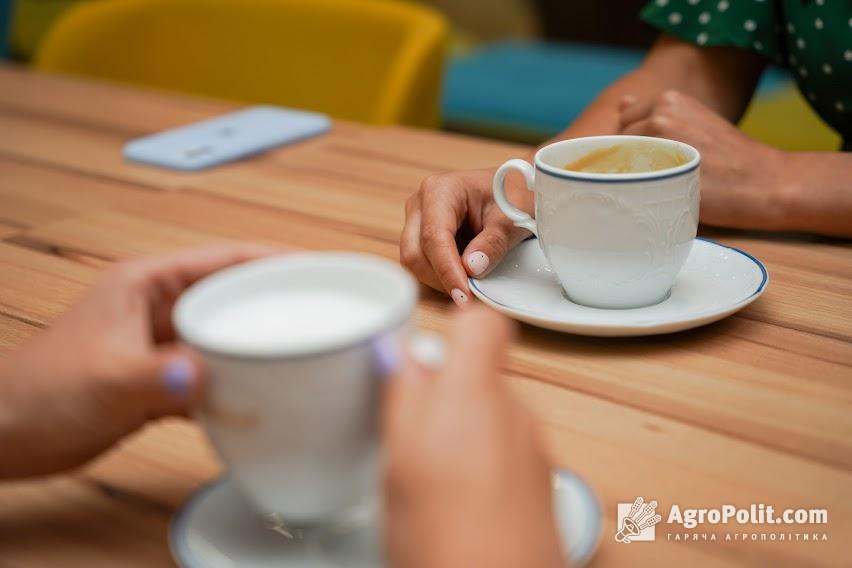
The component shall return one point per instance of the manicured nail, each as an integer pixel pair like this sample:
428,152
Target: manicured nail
178,376
387,355
478,262
459,297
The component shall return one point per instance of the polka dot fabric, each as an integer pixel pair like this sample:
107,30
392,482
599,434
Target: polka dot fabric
812,38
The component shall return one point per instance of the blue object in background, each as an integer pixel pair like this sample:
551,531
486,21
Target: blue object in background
531,91
5,26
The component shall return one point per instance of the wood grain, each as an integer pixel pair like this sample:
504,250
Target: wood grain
753,409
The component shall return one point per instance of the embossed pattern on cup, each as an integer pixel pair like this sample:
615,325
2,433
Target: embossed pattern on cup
624,244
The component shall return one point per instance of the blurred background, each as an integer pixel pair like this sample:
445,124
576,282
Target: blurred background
518,70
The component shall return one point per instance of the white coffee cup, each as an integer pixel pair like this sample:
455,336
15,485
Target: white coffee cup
295,419
614,240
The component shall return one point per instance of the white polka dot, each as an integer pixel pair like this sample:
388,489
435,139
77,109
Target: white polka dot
675,18
704,17
791,28
792,59
758,46
662,2
850,22
702,38
820,2
803,72
800,43
722,5
818,23
693,2
847,55
826,68
839,106
750,25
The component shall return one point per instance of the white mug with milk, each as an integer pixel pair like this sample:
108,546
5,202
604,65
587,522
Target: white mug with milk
292,404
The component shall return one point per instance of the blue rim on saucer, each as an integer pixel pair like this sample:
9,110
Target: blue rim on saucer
178,547
579,523
695,299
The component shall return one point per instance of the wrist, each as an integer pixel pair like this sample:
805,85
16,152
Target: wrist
789,210
777,203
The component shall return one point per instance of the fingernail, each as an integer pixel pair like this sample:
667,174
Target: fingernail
459,297
178,376
387,355
478,262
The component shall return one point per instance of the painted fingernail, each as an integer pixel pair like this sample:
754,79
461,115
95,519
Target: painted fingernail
459,297
387,355
478,262
178,376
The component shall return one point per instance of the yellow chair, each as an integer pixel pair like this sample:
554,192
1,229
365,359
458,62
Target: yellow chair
374,61
784,119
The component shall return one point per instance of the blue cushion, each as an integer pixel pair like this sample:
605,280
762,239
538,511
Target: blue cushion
530,90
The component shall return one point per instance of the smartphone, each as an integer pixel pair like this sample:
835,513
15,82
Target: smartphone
226,138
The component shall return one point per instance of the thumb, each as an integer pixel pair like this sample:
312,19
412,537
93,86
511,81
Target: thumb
488,248
168,381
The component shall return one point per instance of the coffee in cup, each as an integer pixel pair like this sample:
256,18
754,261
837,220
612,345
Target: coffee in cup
629,158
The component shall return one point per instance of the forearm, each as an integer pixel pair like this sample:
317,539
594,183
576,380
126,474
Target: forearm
817,193
721,78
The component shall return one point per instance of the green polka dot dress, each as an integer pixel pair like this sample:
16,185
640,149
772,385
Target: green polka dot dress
812,38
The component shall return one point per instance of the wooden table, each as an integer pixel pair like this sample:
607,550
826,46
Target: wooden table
754,409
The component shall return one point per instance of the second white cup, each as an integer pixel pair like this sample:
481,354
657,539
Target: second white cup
292,344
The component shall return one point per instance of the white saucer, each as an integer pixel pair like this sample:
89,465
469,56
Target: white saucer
217,529
715,282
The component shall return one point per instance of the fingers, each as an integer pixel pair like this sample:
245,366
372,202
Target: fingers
477,341
640,128
443,210
189,265
410,254
169,381
159,280
488,248
632,110
403,392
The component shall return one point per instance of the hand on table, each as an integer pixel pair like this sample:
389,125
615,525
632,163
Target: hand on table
448,210
107,366
467,483
740,177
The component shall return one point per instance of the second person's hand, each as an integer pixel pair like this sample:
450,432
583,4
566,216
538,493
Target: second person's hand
467,480
108,366
454,229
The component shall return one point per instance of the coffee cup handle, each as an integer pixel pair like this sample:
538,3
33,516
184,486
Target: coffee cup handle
519,218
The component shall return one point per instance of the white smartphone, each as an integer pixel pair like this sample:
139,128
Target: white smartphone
225,138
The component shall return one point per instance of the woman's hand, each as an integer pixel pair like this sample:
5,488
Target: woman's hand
467,482
456,211
106,367
742,180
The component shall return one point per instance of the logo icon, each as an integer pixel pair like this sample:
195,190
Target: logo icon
637,522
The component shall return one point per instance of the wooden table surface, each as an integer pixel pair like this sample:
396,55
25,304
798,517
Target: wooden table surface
754,409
